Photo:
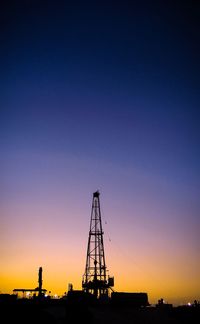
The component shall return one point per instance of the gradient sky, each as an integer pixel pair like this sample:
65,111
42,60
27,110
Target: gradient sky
101,97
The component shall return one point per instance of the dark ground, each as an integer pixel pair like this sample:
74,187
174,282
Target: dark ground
59,312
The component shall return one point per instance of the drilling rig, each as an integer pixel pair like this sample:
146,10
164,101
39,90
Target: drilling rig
96,279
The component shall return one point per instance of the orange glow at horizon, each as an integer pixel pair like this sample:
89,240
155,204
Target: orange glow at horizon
135,265
127,278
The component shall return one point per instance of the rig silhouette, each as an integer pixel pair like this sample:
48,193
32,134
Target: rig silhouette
96,301
95,279
96,282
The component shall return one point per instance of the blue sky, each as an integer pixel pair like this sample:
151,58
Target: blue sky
101,96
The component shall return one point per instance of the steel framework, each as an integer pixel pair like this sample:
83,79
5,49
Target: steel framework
95,278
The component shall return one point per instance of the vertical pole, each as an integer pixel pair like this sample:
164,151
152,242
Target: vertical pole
40,281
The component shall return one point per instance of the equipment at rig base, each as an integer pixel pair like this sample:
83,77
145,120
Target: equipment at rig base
95,279
38,289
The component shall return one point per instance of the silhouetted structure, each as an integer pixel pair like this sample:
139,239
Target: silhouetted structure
37,289
40,282
163,305
95,279
129,299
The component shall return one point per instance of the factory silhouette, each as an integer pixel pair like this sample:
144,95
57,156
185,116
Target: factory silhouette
97,302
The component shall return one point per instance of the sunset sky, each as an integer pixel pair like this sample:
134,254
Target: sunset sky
104,97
